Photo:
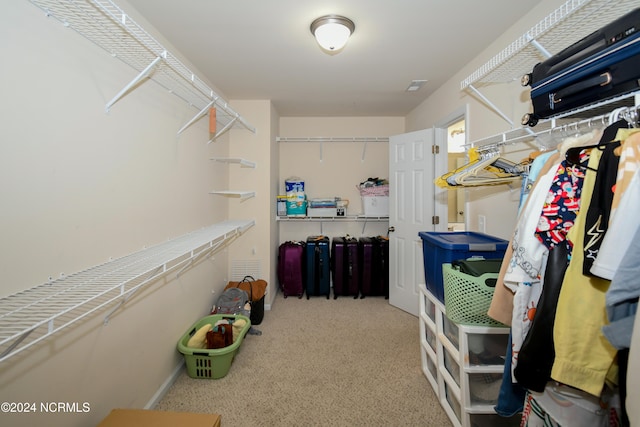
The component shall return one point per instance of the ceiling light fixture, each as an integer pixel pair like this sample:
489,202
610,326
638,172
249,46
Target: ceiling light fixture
332,31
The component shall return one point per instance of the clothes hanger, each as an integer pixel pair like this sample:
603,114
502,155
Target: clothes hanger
485,167
573,150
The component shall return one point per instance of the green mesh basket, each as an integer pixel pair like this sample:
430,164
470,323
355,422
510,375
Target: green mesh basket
467,298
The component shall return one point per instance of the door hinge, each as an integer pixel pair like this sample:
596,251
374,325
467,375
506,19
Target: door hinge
435,220
435,149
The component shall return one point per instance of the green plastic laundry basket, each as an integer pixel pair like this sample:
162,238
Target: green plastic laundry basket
467,298
215,363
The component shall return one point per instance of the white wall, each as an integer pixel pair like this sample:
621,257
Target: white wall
261,148
79,186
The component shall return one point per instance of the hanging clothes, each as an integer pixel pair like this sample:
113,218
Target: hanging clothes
629,163
537,353
622,296
617,240
583,356
561,185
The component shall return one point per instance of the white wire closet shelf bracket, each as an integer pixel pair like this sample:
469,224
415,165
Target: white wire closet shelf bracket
32,315
568,24
109,27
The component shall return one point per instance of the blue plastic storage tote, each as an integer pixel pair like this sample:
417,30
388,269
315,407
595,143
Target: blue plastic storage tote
440,247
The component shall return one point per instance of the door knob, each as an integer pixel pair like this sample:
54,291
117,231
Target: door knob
391,229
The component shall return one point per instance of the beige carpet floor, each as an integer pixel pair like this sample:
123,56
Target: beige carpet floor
342,362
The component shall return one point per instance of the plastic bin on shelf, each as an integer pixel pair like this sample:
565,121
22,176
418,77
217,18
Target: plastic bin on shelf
214,363
444,247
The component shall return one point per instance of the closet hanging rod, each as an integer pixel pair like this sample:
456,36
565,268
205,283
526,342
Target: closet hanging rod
515,136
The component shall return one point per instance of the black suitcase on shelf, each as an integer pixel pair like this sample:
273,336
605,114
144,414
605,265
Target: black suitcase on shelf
317,266
291,268
374,262
601,66
345,270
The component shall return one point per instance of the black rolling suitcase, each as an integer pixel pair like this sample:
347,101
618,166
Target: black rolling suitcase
345,267
317,263
374,262
383,252
601,66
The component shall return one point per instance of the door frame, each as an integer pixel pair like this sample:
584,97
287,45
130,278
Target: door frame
440,137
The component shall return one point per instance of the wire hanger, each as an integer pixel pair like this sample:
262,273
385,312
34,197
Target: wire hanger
485,167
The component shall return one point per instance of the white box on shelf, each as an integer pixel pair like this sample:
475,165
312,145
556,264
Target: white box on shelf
322,212
375,205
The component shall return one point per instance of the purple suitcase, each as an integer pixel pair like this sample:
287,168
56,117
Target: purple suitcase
344,266
290,264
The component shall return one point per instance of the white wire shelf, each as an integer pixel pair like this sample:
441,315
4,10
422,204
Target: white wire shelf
108,26
242,162
34,314
566,25
238,194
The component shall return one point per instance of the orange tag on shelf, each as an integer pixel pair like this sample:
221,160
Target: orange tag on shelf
212,120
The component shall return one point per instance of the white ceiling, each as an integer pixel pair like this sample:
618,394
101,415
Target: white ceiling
263,49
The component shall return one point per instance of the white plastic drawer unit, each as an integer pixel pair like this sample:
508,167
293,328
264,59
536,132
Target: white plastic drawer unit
430,337
451,365
486,349
451,331
432,367
484,388
452,402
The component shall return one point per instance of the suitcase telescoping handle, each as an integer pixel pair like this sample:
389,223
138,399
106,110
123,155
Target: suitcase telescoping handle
599,80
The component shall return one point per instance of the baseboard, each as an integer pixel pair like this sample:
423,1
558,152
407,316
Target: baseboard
165,386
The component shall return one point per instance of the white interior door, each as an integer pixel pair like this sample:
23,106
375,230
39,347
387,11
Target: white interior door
411,200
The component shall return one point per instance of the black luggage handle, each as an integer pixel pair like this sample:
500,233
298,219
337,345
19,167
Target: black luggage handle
599,80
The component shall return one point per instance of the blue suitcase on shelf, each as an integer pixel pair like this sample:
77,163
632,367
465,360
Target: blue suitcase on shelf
318,266
599,67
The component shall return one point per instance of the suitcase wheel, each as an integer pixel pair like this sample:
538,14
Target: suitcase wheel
525,80
529,120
